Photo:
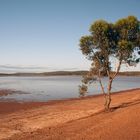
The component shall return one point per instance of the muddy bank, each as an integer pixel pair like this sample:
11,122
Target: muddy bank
5,92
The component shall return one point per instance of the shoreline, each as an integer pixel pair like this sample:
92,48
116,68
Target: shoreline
10,106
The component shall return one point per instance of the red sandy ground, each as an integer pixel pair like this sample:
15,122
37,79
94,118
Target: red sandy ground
74,119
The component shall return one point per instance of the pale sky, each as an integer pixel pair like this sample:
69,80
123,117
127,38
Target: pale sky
43,35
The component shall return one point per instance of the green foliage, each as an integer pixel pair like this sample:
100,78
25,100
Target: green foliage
128,28
108,39
129,36
86,45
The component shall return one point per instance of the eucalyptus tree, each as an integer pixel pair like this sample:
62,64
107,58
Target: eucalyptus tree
105,42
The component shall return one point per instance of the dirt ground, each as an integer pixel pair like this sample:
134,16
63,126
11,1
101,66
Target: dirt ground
73,119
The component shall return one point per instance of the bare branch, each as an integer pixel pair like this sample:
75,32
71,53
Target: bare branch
100,81
118,69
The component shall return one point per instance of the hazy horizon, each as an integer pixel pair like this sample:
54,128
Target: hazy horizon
43,35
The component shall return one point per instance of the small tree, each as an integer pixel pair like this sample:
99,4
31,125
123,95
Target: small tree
108,41
82,90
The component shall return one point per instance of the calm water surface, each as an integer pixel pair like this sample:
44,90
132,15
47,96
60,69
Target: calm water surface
57,87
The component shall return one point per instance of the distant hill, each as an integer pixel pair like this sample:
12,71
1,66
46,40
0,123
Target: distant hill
129,73
65,73
55,73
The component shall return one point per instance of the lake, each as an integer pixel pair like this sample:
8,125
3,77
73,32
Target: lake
57,87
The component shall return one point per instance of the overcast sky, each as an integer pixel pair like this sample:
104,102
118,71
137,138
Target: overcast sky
43,35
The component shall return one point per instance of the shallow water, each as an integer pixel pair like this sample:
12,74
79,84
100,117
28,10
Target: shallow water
57,87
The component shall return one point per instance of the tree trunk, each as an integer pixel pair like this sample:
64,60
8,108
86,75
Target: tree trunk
100,81
108,96
108,102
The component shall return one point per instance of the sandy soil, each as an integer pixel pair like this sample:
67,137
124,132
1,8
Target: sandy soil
75,119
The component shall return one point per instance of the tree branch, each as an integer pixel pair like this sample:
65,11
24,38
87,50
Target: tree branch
100,81
118,69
